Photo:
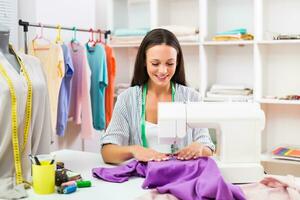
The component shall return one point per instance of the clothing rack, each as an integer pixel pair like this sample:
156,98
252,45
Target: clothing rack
27,24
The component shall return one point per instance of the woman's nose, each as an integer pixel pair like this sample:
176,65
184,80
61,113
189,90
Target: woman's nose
162,69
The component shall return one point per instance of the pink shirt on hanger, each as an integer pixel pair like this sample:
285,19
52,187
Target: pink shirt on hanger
80,104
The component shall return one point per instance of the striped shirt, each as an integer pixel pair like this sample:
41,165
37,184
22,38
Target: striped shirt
125,126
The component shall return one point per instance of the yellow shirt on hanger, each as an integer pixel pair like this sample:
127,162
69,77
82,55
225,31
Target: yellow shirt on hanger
51,57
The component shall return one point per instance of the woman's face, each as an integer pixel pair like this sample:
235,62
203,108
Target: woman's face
161,63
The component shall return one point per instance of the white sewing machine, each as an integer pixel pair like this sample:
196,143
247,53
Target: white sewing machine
238,127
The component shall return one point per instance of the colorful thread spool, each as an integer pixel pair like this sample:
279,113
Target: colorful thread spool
65,184
81,184
60,165
69,189
60,177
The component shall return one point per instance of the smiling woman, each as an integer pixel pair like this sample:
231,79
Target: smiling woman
158,77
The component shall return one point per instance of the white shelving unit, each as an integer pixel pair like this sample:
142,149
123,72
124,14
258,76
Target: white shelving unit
270,67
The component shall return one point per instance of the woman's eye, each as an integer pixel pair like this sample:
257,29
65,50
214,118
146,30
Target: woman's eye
170,64
155,64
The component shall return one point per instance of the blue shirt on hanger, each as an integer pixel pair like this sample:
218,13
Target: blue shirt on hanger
97,61
64,93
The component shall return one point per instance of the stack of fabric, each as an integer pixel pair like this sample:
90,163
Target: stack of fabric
236,34
184,33
135,36
128,36
229,93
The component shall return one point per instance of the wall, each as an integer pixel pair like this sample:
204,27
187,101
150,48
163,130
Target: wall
80,13
8,18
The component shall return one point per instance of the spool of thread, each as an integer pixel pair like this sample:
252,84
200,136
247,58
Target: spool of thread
60,190
60,177
69,189
65,184
60,165
81,184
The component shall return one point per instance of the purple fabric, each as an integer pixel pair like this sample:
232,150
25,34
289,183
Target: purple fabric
193,179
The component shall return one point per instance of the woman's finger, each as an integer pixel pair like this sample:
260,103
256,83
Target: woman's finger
190,155
181,154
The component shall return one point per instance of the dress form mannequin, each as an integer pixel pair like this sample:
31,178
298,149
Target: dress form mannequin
4,47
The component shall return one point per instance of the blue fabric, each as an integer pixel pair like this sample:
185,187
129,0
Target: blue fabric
99,80
64,93
131,32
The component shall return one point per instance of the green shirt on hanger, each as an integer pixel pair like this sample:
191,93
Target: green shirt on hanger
97,61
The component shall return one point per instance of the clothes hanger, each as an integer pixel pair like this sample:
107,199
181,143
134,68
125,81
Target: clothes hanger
74,40
41,38
99,41
58,39
91,42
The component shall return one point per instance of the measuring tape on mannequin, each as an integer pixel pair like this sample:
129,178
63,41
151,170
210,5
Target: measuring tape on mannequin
14,117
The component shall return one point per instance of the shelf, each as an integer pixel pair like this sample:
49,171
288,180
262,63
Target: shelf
266,157
124,45
223,60
279,65
228,15
279,42
217,43
170,12
129,14
129,45
280,17
277,101
270,67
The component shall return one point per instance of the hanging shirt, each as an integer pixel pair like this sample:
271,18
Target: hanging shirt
110,89
40,127
191,179
64,93
97,62
51,57
80,104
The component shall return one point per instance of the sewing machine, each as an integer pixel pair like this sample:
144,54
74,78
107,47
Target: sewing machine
238,129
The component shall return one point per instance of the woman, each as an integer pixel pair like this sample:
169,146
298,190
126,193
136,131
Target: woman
158,77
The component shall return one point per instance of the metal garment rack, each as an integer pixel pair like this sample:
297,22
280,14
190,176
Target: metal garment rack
27,24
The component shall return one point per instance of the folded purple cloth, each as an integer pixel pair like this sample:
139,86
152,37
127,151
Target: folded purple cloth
192,179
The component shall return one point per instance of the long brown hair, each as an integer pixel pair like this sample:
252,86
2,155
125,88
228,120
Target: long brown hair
157,37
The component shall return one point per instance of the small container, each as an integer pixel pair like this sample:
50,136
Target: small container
43,177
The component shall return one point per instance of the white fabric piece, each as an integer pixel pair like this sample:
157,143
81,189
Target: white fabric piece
273,187
40,128
9,191
154,195
181,30
126,40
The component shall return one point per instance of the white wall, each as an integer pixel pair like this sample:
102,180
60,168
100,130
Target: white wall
8,18
80,13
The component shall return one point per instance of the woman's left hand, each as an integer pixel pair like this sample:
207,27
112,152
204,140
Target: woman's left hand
193,151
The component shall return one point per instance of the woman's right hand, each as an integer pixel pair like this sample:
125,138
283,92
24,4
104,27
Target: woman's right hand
145,154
